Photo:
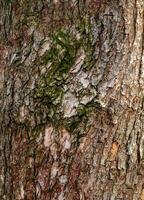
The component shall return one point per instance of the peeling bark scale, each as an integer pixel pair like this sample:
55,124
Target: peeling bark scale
72,100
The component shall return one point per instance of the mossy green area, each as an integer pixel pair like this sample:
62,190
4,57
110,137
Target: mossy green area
8,2
61,56
79,123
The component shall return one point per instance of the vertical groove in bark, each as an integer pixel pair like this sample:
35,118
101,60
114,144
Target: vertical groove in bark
72,116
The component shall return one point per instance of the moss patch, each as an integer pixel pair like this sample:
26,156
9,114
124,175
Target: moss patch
77,125
49,89
61,56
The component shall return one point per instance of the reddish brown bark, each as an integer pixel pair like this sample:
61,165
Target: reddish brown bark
72,96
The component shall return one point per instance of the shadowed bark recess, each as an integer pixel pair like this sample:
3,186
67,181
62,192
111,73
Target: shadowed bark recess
72,100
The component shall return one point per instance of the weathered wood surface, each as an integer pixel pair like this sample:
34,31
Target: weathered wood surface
72,97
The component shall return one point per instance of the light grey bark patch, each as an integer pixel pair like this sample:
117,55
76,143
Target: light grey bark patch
69,104
122,160
142,150
80,57
45,46
88,96
48,136
82,78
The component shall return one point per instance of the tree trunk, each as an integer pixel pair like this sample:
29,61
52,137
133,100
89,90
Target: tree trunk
72,100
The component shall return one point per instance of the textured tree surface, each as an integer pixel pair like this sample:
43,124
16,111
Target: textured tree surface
72,100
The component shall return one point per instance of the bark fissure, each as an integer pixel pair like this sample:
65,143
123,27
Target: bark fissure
71,83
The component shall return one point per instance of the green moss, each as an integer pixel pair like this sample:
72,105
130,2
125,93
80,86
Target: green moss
62,54
49,55
8,1
81,110
78,124
49,90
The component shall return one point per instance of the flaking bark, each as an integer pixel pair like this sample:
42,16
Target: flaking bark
72,97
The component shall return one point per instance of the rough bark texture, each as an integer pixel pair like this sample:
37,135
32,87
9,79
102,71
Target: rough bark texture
72,100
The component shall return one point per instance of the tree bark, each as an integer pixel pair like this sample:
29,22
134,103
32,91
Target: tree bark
72,100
